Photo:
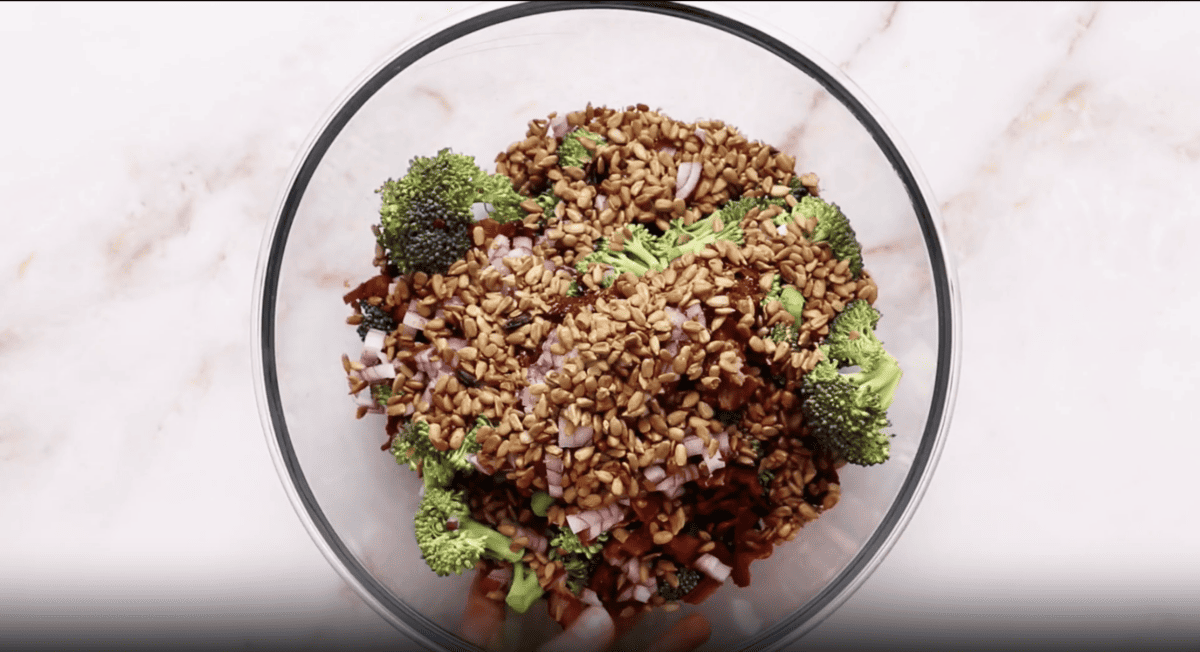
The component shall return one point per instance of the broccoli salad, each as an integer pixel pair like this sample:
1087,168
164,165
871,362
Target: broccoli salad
626,365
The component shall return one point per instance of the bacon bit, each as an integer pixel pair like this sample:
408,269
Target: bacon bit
639,542
684,548
703,590
376,286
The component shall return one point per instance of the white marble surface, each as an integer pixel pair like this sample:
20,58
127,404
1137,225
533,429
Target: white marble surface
145,150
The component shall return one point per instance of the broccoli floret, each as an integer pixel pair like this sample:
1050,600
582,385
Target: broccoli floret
793,303
547,201
640,252
852,341
524,590
572,153
412,446
578,560
688,579
764,480
425,217
847,412
844,417
375,318
775,291
450,540
381,393
539,502
683,239
832,227
573,290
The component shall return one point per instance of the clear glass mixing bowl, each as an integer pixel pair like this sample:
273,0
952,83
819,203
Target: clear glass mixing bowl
473,84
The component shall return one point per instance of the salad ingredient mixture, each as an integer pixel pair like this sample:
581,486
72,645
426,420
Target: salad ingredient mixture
626,365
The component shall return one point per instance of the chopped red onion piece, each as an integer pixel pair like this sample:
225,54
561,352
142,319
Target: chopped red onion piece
522,242
642,593
626,593
480,211
502,574
373,342
589,596
712,567
702,135
687,177
600,202
379,372
693,444
558,126
577,523
414,320
654,474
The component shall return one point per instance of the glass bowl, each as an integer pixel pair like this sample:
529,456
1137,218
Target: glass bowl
473,83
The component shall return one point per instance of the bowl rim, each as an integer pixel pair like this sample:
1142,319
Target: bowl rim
419,627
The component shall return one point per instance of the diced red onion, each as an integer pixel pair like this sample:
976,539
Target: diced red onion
654,474
687,177
373,342
627,592
379,372
714,463
363,398
570,436
712,567
693,444
414,320
558,126
642,593
702,135
600,202
723,442
502,574
480,211
537,542
668,149
577,523
474,460
500,242
589,596
553,462
522,242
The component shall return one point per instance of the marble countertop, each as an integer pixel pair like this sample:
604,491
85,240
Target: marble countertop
146,148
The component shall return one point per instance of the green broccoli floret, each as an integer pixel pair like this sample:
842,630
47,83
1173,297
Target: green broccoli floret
539,502
847,412
524,590
580,561
450,540
376,318
832,227
572,153
688,579
766,475
425,217
764,480
547,201
569,542
412,446
683,239
640,252
793,303
381,393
